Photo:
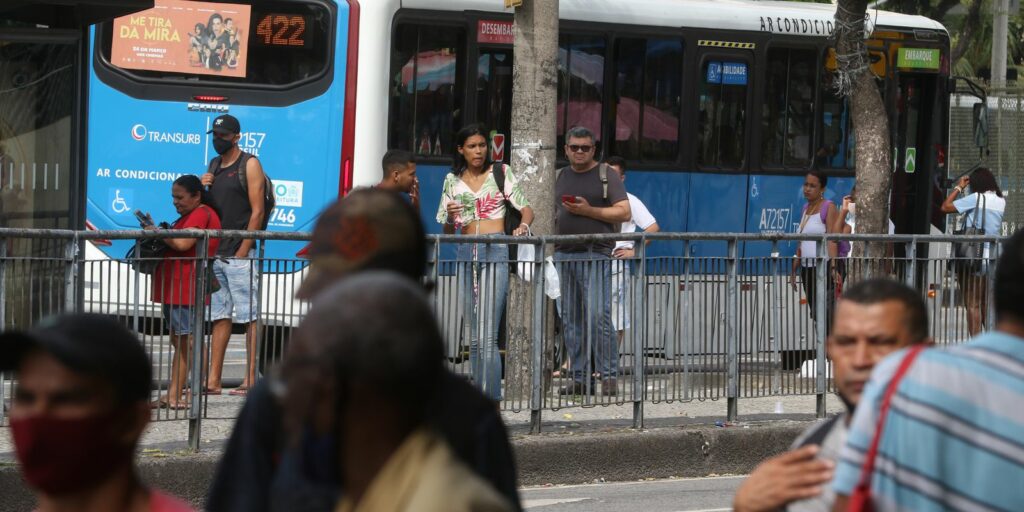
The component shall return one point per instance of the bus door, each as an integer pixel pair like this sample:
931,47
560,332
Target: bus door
917,137
492,99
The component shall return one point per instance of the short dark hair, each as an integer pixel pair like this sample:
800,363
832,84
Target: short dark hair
579,132
821,177
396,160
1009,287
874,291
376,330
617,161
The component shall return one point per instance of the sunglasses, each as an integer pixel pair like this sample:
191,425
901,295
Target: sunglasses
576,148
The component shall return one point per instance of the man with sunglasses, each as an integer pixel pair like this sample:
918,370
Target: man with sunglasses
589,200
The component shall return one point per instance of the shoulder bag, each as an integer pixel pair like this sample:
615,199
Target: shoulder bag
970,254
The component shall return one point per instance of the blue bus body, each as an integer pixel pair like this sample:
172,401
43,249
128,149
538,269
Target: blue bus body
138,147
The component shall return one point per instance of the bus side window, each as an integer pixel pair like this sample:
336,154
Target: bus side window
580,84
722,117
787,117
425,88
648,98
836,143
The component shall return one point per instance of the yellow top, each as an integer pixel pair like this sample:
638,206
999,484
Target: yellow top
424,476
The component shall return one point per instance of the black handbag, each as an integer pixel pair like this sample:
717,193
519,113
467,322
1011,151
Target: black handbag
146,254
970,254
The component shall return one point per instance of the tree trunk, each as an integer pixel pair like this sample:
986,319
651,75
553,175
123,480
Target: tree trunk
870,126
534,88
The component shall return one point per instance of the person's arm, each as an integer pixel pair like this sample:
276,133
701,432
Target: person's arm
947,204
840,223
527,221
448,208
256,181
794,475
618,212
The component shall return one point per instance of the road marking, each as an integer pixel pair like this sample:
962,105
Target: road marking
528,504
656,481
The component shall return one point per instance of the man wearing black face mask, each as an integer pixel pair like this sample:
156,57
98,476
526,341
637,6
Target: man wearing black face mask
238,193
80,407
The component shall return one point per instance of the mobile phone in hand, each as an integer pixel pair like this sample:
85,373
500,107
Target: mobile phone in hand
566,198
144,218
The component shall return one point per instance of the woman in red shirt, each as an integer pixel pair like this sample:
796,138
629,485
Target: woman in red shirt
173,279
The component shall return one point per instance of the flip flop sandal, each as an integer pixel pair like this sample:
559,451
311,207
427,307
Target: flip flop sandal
239,391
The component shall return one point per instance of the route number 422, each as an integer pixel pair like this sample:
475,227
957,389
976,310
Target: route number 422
283,216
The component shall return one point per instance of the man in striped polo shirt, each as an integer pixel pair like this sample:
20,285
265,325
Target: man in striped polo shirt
954,435
873,319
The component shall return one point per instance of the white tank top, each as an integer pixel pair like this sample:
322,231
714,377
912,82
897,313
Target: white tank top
811,224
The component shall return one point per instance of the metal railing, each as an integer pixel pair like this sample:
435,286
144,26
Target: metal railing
690,316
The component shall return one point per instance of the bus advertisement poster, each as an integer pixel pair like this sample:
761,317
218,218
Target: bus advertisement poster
179,36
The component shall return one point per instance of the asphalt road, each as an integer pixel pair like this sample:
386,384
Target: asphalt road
677,495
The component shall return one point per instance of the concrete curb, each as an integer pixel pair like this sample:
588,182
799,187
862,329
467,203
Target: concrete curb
620,455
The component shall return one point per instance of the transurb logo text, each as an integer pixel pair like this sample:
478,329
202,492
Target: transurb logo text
780,25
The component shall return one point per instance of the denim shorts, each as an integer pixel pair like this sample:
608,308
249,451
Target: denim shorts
179,319
239,280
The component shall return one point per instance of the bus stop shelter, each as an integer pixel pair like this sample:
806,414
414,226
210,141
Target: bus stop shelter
43,87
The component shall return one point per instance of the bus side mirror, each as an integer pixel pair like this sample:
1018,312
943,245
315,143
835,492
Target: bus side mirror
980,123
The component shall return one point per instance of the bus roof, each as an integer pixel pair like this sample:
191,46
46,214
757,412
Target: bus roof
713,14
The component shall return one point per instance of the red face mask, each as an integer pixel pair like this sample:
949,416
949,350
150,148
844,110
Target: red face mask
60,456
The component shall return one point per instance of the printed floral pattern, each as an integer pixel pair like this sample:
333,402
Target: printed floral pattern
487,203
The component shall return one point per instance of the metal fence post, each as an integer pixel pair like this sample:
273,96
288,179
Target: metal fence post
70,267
197,341
911,271
3,318
776,336
821,324
731,331
990,277
639,334
537,347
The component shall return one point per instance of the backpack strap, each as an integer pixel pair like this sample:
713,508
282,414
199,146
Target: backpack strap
602,170
823,211
214,165
499,178
243,161
821,432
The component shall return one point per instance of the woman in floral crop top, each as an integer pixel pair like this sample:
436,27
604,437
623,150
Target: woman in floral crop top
472,205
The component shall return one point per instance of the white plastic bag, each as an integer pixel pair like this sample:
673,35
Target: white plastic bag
524,256
552,285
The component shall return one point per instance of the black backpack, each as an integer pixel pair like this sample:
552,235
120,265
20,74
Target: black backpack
269,201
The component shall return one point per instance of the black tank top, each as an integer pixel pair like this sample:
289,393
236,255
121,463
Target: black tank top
233,203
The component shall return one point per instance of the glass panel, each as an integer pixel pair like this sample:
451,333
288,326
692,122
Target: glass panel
37,102
662,99
836,145
629,80
494,93
273,43
580,84
788,113
425,106
722,114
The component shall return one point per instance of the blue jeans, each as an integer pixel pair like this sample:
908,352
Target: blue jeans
483,286
586,312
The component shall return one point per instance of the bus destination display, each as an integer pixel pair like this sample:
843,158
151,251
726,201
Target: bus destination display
183,37
282,30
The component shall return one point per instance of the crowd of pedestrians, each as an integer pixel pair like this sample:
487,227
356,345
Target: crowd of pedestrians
363,415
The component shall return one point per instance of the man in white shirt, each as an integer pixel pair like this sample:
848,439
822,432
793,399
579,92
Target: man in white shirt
642,218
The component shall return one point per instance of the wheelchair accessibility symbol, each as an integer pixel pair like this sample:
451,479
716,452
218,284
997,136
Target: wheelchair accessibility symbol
119,205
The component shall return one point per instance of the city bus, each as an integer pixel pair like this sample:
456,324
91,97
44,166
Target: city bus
720,107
